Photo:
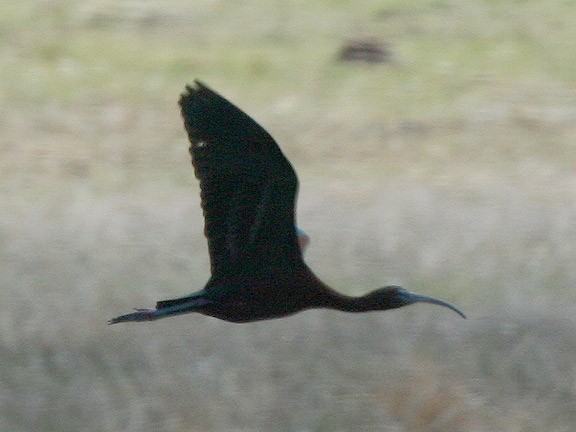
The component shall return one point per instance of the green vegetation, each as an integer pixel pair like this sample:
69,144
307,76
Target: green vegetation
449,170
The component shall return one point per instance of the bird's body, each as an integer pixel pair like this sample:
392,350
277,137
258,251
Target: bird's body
256,297
248,191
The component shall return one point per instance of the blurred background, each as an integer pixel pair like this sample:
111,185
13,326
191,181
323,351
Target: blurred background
434,140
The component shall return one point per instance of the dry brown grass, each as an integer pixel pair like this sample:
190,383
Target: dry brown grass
69,266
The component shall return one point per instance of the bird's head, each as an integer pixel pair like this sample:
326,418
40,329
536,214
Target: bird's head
393,296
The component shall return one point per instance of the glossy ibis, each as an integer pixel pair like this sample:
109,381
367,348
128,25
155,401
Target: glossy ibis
248,191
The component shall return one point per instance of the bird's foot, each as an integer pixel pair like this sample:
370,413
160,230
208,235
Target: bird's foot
139,315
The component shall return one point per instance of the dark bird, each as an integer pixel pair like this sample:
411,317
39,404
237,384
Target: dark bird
248,191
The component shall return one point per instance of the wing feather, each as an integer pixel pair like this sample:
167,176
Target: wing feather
248,187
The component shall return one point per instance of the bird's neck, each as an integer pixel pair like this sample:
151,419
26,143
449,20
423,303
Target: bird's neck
326,297
348,303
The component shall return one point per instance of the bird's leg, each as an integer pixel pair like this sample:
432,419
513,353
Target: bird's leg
194,305
139,315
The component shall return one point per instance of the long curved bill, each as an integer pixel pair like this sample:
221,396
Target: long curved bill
417,298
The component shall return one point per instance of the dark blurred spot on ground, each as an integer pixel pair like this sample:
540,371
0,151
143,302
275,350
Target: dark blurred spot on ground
368,51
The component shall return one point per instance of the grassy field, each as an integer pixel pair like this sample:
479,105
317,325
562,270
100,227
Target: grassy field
449,170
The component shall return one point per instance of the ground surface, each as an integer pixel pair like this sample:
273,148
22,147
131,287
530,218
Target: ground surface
449,170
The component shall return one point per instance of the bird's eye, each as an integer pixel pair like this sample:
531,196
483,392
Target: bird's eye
200,144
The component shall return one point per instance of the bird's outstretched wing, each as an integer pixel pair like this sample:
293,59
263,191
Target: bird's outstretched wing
248,187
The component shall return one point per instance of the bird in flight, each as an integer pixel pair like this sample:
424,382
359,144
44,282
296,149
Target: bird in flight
248,192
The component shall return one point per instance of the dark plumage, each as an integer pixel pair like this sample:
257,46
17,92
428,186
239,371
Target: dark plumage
248,191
